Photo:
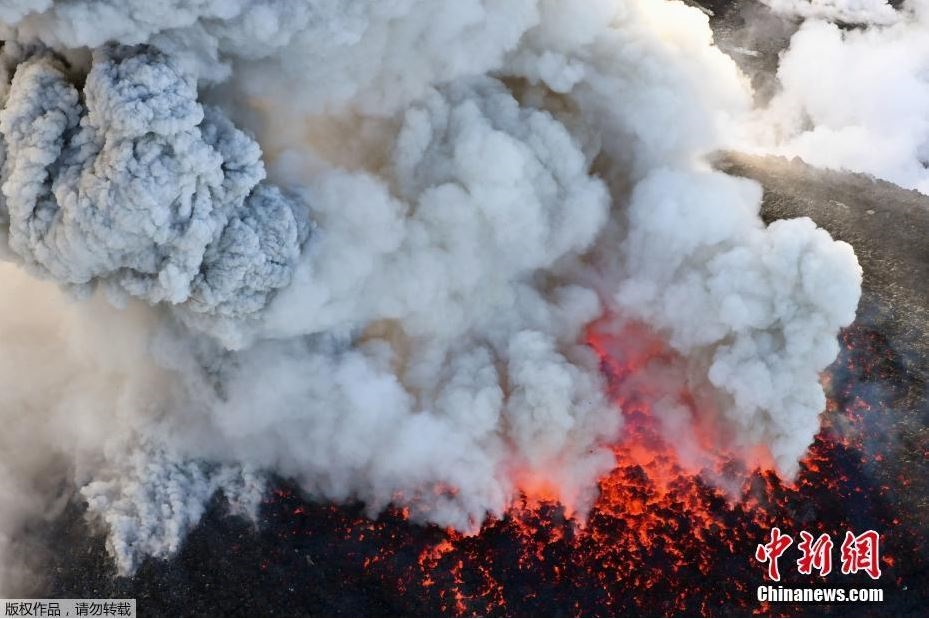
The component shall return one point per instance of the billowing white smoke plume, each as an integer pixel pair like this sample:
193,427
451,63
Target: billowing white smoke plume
844,11
854,98
460,189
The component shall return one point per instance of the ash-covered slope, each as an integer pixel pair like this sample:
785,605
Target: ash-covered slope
753,35
888,227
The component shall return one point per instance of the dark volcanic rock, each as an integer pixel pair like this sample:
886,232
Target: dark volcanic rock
753,36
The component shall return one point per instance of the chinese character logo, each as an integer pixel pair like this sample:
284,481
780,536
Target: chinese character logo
816,554
769,553
859,553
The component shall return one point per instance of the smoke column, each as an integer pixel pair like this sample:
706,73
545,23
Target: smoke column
872,58
359,244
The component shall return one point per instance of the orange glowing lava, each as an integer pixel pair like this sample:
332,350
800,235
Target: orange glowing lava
668,534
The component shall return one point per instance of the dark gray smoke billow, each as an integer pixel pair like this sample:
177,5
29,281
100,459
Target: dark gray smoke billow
131,183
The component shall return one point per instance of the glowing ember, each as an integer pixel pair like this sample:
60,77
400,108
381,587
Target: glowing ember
661,539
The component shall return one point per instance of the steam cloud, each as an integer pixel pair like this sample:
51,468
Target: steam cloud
877,69
460,188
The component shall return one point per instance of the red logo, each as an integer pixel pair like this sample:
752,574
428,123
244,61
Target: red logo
769,553
858,553
816,554
862,553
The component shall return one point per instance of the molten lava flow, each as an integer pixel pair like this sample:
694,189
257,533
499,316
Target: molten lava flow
661,538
